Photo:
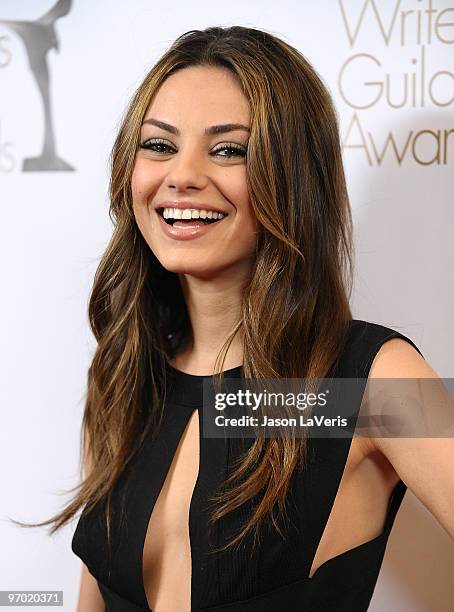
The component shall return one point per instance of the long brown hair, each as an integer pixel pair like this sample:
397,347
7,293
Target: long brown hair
295,308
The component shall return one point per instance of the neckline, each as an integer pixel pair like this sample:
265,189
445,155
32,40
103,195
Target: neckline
187,389
192,377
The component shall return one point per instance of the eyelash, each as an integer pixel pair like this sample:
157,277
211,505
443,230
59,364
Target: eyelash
147,144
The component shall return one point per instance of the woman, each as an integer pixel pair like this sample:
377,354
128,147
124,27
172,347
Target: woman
232,253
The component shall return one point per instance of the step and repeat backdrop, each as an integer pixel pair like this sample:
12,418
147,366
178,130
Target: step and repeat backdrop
67,71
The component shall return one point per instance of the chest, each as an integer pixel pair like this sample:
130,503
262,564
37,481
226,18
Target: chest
167,562
167,549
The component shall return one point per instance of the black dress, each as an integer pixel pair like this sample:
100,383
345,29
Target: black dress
276,576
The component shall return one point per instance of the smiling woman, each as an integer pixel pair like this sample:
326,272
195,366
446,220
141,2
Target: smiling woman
196,162
231,257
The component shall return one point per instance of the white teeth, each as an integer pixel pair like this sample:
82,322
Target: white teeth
191,213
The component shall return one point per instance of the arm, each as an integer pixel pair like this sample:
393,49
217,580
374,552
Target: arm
90,598
426,465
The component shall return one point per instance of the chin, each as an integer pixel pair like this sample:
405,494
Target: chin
180,266
200,269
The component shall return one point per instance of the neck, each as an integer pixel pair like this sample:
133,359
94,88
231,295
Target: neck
214,308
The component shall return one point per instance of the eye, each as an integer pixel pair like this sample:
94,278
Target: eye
158,145
153,144
230,146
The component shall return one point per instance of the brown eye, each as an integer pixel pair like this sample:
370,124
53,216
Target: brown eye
237,150
156,146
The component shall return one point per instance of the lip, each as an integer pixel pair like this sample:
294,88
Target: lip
195,205
186,233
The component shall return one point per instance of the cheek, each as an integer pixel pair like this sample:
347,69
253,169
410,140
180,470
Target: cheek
139,183
248,231
144,181
140,195
250,220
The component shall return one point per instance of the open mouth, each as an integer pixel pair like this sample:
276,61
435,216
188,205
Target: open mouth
206,221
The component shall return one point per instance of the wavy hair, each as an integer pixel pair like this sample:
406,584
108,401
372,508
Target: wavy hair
295,307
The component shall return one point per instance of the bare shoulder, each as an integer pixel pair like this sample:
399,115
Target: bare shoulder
423,463
397,358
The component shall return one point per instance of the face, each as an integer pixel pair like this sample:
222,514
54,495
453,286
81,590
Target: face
184,164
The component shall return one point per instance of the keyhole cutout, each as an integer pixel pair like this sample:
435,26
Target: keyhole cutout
166,560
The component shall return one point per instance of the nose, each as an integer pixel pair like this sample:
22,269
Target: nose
186,170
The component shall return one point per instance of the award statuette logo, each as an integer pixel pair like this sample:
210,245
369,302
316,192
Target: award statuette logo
38,37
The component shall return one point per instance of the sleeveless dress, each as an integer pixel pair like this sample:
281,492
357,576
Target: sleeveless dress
275,576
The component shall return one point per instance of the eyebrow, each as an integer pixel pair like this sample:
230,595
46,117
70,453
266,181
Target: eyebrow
214,129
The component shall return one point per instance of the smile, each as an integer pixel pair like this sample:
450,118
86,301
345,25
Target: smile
171,215
188,223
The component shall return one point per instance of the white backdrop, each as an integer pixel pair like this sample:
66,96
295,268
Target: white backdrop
389,67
